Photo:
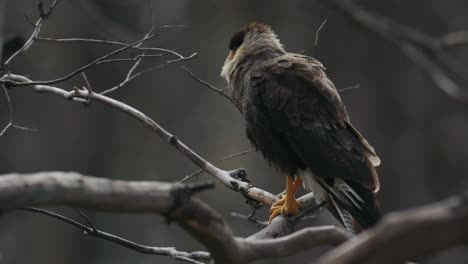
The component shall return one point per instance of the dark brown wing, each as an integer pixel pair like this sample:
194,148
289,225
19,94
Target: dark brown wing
304,106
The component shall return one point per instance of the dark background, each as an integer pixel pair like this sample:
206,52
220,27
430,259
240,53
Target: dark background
416,129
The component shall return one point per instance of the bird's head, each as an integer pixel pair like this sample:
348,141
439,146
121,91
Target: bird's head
251,39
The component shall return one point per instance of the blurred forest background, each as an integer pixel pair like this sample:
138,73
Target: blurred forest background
418,131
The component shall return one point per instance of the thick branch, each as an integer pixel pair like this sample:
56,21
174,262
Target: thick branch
256,249
282,225
408,235
73,189
172,201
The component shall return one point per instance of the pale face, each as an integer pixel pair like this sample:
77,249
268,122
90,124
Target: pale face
230,62
249,40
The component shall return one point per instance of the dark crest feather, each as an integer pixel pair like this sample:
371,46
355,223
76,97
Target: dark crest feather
238,37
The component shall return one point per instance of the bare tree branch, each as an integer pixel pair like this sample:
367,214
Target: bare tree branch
217,90
457,38
408,235
87,66
193,175
93,232
317,32
43,15
425,51
11,116
139,59
173,201
348,88
53,188
79,95
257,249
251,217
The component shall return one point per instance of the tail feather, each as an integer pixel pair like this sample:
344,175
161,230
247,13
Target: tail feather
346,218
357,200
354,205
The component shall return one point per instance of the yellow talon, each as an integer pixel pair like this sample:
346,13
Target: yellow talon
287,205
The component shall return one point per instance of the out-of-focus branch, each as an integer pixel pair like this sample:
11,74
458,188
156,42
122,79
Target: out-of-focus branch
408,235
427,52
457,38
228,178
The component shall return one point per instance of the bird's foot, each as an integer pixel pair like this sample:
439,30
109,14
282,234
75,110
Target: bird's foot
287,205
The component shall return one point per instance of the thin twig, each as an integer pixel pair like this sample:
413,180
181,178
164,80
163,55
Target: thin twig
87,83
251,217
128,80
11,116
43,15
217,90
133,59
113,43
93,232
10,110
347,88
193,175
138,60
87,66
86,218
317,37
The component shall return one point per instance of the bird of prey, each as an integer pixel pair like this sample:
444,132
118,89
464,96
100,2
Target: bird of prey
296,119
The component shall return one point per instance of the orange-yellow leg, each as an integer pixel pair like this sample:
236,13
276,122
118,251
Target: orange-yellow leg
288,205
